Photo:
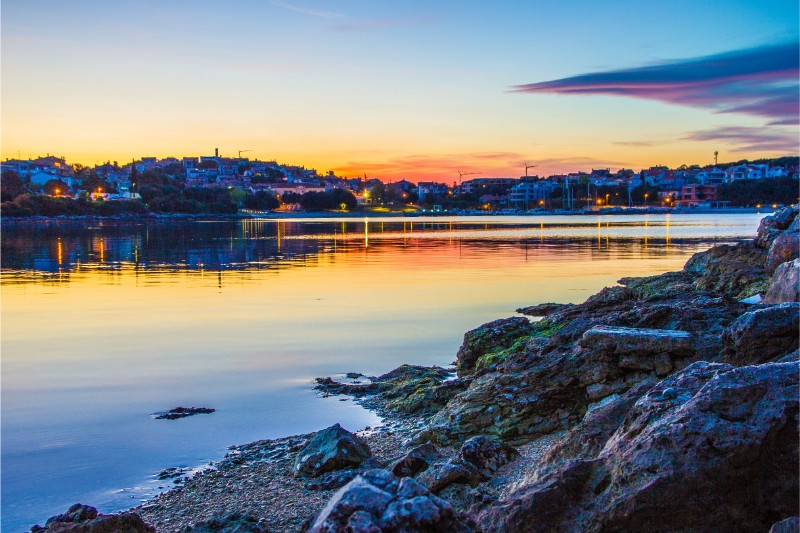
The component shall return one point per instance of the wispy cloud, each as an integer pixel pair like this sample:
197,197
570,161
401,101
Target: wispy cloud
635,144
330,15
761,81
750,139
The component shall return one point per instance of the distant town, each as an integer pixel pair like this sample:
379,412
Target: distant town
51,186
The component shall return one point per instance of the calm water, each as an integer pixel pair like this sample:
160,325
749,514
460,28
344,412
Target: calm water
104,323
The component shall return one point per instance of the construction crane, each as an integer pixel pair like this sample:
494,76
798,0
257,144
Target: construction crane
527,166
243,151
462,174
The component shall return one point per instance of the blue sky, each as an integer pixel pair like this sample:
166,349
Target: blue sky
388,88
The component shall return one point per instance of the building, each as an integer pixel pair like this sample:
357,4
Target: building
696,195
530,194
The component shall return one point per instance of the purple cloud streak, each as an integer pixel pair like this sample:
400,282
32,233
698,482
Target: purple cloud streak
760,81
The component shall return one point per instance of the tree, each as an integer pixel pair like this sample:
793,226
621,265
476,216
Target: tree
134,173
56,188
377,193
11,185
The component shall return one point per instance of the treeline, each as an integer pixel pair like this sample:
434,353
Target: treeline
750,193
160,193
321,201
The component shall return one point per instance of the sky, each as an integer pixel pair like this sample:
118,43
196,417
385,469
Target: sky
414,90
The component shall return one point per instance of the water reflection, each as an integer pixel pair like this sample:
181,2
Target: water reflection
64,247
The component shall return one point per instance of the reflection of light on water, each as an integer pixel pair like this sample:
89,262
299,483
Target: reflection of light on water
366,233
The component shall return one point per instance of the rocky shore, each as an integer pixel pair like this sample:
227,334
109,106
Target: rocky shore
667,403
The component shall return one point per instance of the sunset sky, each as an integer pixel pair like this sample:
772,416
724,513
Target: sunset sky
415,90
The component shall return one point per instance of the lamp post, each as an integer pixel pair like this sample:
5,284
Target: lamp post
645,199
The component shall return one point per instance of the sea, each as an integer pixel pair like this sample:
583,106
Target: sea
106,322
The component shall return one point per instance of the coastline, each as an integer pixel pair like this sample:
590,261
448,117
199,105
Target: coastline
421,407
371,214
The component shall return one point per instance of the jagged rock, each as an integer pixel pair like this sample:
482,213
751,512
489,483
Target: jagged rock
415,461
486,454
406,391
640,348
403,506
720,454
85,519
659,287
333,448
585,440
773,225
232,523
786,247
543,388
763,334
736,271
787,525
487,338
441,475
546,309
785,283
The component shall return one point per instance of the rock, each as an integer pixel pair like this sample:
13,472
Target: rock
415,461
785,283
360,506
787,525
172,472
543,388
638,341
182,412
720,454
333,480
786,247
489,337
585,440
546,309
232,523
662,286
771,226
763,334
81,518
486,454
736,271
407,391
441,475
333,448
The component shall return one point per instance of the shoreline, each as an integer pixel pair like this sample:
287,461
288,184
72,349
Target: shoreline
268,216
559,391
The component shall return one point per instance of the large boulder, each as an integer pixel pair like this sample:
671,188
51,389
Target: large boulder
378,501
773,225
785,283
763,334
736,271
786,247
489,337
333,448
640,348
415,461
711,448
81,518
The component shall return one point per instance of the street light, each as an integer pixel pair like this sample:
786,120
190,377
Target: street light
645,199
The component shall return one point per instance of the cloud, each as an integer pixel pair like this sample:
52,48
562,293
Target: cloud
635,144
307,11
750,139
761,81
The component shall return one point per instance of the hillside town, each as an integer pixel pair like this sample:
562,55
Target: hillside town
596,189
